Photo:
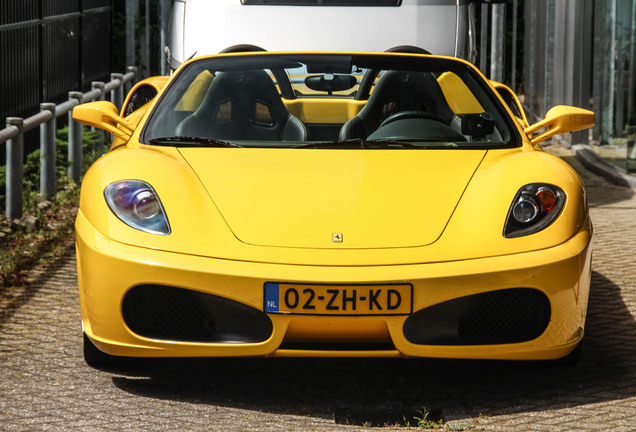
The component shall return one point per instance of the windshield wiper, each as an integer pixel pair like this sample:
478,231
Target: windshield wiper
388,144
184,141
359,143
350,143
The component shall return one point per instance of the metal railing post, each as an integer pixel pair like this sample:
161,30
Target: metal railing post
15,170
483,40
47,152
135,71
98,145
74,141
117,94
497,35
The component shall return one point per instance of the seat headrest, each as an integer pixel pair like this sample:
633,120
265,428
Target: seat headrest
244,104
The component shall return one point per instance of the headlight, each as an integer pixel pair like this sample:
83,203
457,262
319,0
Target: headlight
137,204
534,208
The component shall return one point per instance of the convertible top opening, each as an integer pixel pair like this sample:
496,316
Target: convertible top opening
278,100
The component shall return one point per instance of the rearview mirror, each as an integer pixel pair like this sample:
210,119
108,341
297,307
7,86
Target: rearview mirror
103,115
561,119
330,83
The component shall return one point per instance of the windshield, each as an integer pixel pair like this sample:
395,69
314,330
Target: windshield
363,101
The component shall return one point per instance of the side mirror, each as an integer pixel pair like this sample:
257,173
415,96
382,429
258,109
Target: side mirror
103,115
561,119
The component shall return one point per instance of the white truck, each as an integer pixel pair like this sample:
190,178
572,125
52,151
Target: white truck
200,27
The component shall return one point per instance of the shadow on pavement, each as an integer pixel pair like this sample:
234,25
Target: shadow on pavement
12,298
381,391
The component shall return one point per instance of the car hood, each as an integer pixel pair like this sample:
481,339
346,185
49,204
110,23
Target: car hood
323,198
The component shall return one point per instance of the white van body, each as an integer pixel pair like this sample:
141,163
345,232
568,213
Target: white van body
200,27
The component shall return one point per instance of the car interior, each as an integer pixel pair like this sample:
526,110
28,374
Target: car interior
314,102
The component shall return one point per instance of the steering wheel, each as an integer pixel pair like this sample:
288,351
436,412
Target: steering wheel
412,115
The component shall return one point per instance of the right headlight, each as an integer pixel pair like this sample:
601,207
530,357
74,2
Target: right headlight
137,204
535,207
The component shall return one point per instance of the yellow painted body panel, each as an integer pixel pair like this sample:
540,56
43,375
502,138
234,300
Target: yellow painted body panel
292,198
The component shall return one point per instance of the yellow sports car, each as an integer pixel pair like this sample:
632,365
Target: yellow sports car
330,204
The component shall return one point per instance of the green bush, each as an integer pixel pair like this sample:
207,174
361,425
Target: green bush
31,179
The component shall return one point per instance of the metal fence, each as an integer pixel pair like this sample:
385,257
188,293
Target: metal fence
13,135
559,57
49,47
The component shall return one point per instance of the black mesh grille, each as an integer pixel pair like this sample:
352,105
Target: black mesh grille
506,316
143,95
164,312
496,317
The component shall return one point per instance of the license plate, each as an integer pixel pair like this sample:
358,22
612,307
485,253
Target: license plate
306,299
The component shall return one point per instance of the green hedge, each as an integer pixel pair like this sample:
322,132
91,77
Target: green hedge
31,179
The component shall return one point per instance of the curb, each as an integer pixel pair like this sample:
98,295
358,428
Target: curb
591,161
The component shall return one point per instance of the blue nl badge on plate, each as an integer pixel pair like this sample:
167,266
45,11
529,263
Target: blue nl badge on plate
271,297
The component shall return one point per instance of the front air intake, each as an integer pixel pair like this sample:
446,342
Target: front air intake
177,314
497,317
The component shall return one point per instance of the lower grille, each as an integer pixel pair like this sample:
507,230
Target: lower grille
171,313
497,317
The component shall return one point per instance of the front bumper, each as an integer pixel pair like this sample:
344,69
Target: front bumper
108,271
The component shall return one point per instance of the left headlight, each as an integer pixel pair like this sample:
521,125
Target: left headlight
534,208
137,204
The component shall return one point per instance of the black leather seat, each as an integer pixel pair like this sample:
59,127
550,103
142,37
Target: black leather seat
398,91
243,105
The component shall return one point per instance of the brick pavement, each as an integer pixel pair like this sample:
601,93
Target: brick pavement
45,385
